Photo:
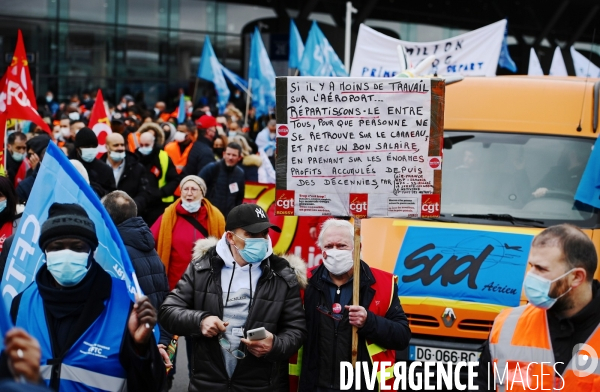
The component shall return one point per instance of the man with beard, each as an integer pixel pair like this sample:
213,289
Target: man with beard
553,340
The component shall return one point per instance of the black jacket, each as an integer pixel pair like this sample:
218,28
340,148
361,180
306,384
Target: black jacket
134,181
156,206
101,176
391,332
24,188
276,306
565,333
12,166
218,178
149,269
200,155
144,373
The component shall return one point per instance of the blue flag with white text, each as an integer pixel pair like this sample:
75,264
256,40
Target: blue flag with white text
588,191
296,46
5,323
319,58
261,76
211,69
181,110
59,181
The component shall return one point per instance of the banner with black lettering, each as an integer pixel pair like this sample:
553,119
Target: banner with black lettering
475,53
362,147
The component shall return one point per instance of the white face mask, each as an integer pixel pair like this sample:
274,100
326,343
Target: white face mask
179,136
117,156
191,207
65,131
338,261
145,150
88,154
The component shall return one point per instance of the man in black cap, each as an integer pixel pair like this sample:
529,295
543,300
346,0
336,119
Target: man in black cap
91,336
229,289
101,176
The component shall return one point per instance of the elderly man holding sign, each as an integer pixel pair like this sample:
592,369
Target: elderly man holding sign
381,322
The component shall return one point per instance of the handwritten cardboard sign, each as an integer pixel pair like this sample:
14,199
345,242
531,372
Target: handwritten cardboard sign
363,147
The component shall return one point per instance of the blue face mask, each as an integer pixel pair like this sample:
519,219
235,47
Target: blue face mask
145,150
255,249
67,267
2,205
88,154
537,290
17,156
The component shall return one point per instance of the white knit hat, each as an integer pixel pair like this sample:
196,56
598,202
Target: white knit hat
197,180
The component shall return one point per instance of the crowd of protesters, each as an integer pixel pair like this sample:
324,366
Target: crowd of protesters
149,151
204,260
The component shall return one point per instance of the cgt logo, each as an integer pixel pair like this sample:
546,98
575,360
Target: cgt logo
359,205
284,202
430,206
282,130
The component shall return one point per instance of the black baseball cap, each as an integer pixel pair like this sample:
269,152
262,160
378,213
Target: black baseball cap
250,217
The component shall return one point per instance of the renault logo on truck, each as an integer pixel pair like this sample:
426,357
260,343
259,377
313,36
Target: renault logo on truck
448,317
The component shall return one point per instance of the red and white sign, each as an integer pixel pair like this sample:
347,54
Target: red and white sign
100,124
430,206
284,202
359,205
282,130
435,163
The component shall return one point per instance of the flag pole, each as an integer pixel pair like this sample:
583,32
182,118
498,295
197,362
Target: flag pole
356,286
348,36
194,94
248,95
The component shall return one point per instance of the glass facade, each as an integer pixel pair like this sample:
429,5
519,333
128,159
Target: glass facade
149,47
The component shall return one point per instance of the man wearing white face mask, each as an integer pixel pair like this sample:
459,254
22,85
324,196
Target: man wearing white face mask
74,304
381,322
228,289
130,176
162,175
558,329
101,176
179,149
15,158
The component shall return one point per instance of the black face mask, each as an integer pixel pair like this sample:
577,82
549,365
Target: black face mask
218,150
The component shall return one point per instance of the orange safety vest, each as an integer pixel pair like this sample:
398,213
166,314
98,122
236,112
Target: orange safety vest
179,159
381,302
520,340
133,141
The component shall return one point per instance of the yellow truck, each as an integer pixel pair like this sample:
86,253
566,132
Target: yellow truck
515,148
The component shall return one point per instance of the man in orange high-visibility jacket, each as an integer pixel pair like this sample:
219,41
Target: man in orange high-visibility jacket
381,322
554,341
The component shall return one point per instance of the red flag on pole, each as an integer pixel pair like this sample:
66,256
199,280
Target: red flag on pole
17,98
100,123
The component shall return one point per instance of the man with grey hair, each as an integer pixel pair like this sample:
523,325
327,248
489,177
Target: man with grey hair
139,243
558,329
265,140
330,315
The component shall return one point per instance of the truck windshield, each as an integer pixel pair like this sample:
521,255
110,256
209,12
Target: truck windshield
517,175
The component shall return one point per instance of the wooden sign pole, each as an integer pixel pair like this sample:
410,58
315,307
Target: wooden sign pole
356,286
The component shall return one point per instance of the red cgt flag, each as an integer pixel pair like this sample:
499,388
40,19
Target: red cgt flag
100,123
17,98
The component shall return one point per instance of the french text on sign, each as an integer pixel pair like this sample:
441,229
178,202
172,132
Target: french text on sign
377,137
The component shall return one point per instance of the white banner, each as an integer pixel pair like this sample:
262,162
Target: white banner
535,68
558,67
474,53
360,147
583,66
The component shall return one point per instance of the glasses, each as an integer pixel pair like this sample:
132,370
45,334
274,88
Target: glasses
227,346
329,313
